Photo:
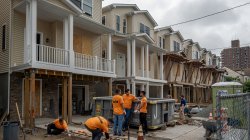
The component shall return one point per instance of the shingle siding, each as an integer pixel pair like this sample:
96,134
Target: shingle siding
5,7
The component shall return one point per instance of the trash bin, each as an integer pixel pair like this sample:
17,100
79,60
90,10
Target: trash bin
11,130
159,111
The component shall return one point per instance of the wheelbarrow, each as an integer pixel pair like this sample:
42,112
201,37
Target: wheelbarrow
211,128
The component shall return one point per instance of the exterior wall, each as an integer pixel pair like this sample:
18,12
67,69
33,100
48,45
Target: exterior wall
194,49
86,42
168,43
111,18
4,82
158,34
141,18
5,12
176,38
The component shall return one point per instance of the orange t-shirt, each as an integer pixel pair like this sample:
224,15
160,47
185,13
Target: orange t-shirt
117,102
128,100
64,126
100,123
143,105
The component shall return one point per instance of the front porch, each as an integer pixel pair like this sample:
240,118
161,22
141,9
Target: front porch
58,41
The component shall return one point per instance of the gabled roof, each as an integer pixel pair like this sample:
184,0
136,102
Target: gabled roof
176,32
115,5
189,40
164,28
198,45
145,12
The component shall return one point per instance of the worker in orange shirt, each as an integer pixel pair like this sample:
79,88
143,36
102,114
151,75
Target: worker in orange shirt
97,125
118,111
128,99
143,112
57,127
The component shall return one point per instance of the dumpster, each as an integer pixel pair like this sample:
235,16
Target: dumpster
159,111
11,130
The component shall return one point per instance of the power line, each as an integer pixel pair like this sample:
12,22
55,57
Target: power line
183,22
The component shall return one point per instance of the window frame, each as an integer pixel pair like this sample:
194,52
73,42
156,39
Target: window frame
117,22
145,29
104,16
176,47
124,21
3,37
159,39
83,2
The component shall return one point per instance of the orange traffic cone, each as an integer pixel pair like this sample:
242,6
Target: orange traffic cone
140,133
210,116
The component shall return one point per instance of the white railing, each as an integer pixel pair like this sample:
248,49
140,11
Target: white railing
89,62
52,55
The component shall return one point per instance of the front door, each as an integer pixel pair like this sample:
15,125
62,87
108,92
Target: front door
120,65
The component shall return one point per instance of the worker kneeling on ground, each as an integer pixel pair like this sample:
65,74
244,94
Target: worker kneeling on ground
57,127
97,125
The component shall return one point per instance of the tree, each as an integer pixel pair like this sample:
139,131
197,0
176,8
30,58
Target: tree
246,87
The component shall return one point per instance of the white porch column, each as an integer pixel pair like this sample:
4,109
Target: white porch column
33,25
70,37
109,45
142,61
133,57
128,58
161,91
147,61
128,84
27,51
66,38
142,88
133,88
147,90
161,66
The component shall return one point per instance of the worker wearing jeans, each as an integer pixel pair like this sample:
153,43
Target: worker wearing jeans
143,112
97,125
128,99
118,111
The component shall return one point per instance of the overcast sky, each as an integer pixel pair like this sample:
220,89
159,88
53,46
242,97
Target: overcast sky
213,32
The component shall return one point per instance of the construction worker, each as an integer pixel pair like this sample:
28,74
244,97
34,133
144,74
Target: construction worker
118,111
182,107
143,112
128,99
57,127
97,125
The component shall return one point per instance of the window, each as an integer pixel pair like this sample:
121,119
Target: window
163,43
85,5
160,42
144,29
117,23
3,37
176,46
104,20
124,26
195,55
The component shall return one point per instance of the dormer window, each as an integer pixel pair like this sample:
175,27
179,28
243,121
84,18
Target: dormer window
85,5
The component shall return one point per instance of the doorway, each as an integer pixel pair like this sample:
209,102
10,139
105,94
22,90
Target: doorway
39,41
80,100
120,65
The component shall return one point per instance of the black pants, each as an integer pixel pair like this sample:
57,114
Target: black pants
52,130
144,123
96,134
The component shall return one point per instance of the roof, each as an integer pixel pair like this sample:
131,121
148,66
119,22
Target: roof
220,84
176,32
145,12
114,5
164,28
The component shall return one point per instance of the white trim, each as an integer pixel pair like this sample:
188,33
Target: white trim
125,26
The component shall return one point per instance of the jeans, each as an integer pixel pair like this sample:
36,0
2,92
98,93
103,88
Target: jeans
144,123
127,117
118,121
52,130
96,134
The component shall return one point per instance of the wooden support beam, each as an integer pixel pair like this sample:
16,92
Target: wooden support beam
189,70
207,72
183,72
33,97
197,73
169,70
64,98
177,71
191,75
70,99
201,75
26,102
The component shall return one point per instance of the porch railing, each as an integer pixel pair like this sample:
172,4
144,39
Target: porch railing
89,62
47,54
